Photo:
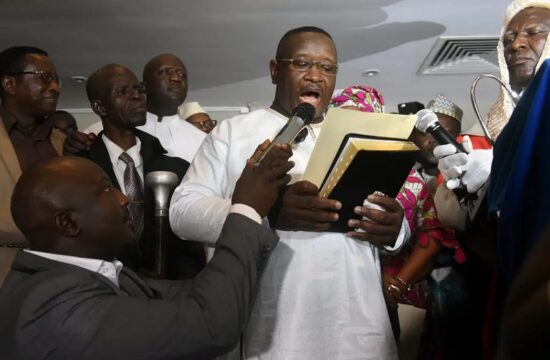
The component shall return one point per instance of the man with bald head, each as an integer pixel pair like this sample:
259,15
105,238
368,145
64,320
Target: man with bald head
165,79
126,153
320,297
68,297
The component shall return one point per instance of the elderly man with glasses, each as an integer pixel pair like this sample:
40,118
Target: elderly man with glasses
29,90
127,154
194,114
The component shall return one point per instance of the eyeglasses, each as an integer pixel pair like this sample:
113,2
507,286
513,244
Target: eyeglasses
129,90
303,65
44,76
207,123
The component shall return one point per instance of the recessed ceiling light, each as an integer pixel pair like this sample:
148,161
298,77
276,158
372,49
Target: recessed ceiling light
370,72
79,79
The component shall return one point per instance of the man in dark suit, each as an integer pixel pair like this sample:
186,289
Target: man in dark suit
119,99
69,298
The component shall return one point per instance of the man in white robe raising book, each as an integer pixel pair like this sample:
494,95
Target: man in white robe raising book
320,296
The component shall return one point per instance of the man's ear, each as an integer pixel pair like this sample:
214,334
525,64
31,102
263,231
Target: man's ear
98,108
274,70
8,84
66,223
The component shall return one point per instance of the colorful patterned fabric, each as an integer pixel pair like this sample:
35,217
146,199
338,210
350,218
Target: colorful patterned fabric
366,98
416,198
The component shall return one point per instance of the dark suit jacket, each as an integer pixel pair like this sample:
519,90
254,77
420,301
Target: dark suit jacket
184,258
51,310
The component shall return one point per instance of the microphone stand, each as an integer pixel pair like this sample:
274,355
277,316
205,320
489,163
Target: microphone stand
162,183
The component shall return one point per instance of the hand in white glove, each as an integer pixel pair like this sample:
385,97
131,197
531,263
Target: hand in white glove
474,167
451,162
477,169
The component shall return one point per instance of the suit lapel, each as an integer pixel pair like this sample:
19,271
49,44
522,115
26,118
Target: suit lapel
8,155
99,154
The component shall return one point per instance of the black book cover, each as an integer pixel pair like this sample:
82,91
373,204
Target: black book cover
370,171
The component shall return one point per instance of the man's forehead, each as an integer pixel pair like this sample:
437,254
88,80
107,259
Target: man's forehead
120,77
37,61
531,15
306,42
168,61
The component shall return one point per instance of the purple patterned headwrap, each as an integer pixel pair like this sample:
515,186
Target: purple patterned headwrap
366,98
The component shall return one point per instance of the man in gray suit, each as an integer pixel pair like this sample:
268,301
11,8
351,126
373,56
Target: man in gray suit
69,298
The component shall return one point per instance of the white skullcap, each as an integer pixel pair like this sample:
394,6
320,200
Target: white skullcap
191,108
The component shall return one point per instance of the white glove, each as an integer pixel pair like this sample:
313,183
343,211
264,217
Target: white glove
474,167
477,169
451,162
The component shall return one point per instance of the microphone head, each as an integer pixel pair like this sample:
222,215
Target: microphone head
305,111
162,183
424,119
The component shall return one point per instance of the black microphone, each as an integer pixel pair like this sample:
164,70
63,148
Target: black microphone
301,117
427,122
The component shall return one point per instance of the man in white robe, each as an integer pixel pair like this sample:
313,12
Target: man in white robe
320,296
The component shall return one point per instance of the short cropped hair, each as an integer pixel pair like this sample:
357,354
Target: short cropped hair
299,30
11,59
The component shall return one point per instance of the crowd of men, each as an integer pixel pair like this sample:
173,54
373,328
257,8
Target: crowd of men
77,243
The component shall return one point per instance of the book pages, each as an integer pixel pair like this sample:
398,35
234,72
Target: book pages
340,122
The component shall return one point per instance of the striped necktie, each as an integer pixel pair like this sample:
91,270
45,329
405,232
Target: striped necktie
134,193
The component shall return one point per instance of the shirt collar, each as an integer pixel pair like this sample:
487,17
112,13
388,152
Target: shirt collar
10,122
109,269
115,151
165,119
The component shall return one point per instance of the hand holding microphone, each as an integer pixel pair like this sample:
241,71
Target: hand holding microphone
459,164
301,117
470,170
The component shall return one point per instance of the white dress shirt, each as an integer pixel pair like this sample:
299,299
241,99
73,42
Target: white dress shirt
320,296
119,166
177,136
109,269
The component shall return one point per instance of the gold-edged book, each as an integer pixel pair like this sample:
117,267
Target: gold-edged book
365,165
358,153
377,146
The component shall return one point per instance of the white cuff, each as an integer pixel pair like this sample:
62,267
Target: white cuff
404,235
247,211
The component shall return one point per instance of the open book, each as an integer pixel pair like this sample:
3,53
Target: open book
359,153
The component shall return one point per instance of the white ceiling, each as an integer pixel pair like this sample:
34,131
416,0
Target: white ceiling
226,44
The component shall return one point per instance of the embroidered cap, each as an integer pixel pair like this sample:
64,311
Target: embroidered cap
445,106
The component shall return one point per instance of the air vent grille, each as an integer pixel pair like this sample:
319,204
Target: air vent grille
461,55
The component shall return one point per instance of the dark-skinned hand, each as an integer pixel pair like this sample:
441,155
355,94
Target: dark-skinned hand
391,294
303,209
258,186
78,142
384,227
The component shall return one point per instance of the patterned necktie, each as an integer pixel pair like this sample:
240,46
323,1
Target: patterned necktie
134,193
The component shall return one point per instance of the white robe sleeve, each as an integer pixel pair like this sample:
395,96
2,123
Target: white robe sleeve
198,207
402,238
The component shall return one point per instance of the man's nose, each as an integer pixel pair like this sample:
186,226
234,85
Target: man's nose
313,73
520,41
54,86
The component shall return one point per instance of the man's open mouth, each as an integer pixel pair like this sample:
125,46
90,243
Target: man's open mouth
310,96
